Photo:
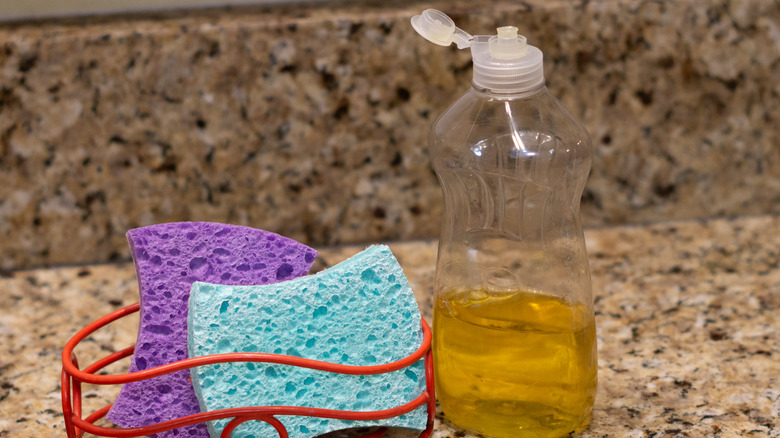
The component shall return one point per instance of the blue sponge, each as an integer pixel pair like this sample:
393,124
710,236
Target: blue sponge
359,312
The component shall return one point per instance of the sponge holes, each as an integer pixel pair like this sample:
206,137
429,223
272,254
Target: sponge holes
225,306
370,276
284,271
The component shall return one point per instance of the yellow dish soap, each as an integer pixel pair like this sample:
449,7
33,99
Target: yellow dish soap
514,335
517,363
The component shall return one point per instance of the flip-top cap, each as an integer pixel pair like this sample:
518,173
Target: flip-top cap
503,63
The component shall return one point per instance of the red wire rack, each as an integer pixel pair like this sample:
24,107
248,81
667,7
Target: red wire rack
73,377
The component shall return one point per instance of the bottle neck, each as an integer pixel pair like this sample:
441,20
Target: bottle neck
489,94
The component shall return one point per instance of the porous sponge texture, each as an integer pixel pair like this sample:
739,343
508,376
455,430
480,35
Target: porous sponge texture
359,312
168,259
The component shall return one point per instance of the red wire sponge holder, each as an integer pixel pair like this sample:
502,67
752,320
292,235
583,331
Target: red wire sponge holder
73,377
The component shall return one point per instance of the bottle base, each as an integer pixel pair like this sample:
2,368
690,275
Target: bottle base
517,419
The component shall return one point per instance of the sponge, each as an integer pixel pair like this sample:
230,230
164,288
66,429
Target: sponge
168,259
359,312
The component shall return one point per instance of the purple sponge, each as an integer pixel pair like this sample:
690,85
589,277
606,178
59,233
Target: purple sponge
168,259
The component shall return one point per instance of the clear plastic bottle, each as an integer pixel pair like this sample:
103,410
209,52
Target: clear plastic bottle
514,332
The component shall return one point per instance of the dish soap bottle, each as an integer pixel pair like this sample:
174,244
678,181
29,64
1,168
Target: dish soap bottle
514,336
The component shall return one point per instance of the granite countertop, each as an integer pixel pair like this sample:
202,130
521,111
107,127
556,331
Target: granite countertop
687,314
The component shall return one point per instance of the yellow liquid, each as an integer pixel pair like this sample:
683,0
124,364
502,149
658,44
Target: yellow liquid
514,364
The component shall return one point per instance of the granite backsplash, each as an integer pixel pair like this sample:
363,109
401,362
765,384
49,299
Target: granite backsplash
312,120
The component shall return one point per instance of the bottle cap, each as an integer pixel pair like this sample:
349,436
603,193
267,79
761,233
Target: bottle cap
503,63
436,27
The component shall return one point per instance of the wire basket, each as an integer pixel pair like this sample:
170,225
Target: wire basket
73,377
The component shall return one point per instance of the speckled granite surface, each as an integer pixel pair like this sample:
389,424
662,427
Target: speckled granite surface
687,316
311,121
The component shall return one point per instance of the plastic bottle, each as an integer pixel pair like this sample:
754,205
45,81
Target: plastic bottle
514,332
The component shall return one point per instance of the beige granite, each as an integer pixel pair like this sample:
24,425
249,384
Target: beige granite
311,120
687,316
